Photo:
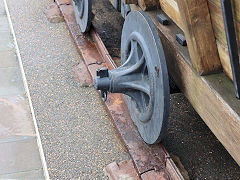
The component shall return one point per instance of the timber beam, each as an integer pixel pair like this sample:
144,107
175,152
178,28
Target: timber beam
170,7
148,4
199,34
212,96
130,1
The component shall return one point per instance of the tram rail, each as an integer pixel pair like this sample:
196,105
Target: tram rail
154,158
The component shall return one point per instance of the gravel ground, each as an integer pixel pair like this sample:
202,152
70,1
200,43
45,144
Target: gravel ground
200,152
78,137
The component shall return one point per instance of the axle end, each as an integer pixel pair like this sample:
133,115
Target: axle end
102,82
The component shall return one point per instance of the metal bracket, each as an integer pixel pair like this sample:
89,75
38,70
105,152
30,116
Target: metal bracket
104,85
163,19
181,39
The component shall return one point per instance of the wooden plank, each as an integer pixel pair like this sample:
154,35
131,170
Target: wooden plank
235,5
130,1
218,24
225,59
170,7
135,7
148,4
199,35
212,96
220,35
112,2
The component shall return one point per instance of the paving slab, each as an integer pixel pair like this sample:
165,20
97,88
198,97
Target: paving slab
6,41
15,120
11,81
2,9
35,174
8,59
18,156
19,144
3,22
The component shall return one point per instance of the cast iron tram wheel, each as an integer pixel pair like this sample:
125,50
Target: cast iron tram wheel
117,4
142,47
83,14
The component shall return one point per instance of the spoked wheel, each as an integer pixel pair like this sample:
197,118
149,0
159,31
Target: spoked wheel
83,14
143,77
149,106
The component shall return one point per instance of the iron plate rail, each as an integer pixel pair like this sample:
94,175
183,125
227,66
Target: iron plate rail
232,43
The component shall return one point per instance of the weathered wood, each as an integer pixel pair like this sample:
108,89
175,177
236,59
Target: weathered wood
148,4
225,59
220,35
130,1
212,96
170,7
135,7
112,2
199,35
235,5
218,24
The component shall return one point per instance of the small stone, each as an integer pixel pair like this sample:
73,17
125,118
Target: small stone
53,14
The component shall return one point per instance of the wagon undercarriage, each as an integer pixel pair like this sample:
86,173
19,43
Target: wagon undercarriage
195,68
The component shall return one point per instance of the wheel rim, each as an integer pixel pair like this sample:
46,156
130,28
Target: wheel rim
149,107
83,14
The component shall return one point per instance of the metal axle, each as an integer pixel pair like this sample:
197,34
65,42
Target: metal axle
126,79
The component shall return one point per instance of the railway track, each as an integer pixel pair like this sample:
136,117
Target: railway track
150,161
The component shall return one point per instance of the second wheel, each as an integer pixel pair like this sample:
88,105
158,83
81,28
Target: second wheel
83,14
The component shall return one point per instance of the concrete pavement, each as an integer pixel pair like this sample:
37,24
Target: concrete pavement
20,145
